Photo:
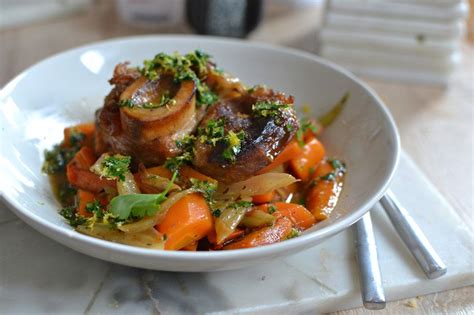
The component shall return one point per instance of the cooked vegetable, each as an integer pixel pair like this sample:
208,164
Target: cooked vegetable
257,218
79,175
313,153
256,185
263,198
211,161
138,205
264,236
84,197
324,193
291,151
148,238
186,222
229,218
79,135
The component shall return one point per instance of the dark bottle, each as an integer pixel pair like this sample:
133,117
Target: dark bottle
234,18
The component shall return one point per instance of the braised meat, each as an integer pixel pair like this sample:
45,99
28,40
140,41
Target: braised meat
144,118
258,125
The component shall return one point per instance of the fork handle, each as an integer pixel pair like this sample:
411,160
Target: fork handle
373,295
413,237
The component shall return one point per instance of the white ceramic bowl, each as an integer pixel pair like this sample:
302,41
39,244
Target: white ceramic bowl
66,89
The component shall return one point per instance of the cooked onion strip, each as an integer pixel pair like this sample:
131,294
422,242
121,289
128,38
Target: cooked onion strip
256,185
149,238
139,226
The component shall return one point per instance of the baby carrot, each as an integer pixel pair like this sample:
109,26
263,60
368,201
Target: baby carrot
187,221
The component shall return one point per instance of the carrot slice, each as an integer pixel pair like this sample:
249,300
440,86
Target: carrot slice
323,196
160,171
187,221
79,175
299,215
291,151
191,247
313,153
187,172
84,198
265,198
86,129
264,236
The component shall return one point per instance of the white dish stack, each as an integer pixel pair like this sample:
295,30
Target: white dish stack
405,40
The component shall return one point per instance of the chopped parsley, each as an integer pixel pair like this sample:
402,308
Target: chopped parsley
76,138
294,233
70,214
214,133
56,159
186,144
192,66
305,125
217,213
271,209
164,100
269,109
338,165
112,166
95,208
329,177
204,187
241,204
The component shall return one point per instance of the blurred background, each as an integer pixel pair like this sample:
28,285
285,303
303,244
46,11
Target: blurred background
418,55
414,41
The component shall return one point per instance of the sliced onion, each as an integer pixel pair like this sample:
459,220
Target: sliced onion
127,186
256,185
139,226
154,184
228,221
257,218
149,238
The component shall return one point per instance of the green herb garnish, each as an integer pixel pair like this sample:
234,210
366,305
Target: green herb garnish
70,214
271,209
214,133
138,205
204,187
269,109
112,166
192,66
294,233
56,159
216,213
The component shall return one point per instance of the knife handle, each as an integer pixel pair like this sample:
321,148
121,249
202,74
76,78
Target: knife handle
373,295
413,237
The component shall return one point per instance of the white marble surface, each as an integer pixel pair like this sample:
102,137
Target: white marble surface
39,276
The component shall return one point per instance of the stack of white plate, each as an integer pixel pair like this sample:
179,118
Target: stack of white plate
408,40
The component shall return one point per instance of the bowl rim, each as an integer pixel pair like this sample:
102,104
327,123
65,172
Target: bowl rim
60,232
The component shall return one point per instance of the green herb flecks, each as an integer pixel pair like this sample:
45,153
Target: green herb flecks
216,213
305,125
70,214
112,166
294,233
56,159
206,188
192,66
269,109
271,209
214,133
186,144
